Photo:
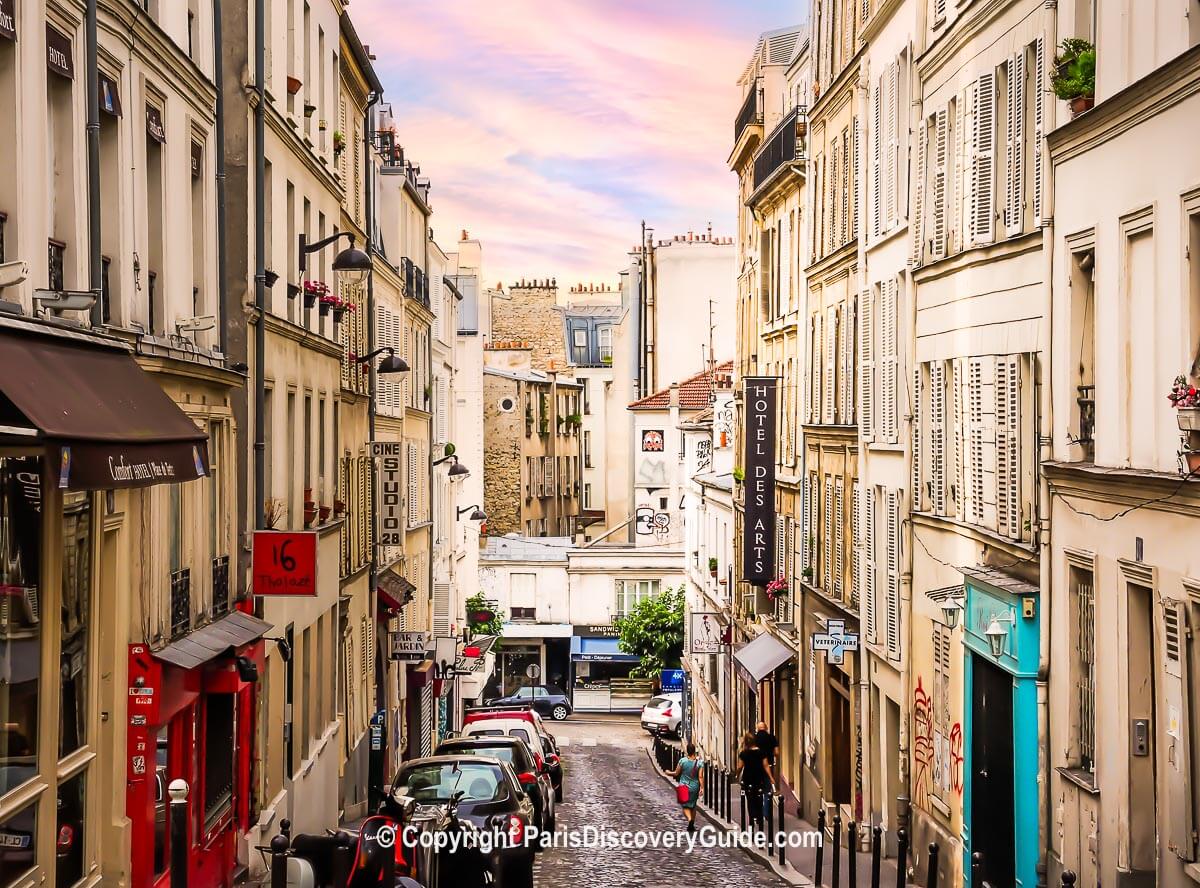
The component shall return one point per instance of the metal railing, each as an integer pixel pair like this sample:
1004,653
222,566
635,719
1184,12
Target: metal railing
181,602
1086,399
781,146
220,586
750,112
416,283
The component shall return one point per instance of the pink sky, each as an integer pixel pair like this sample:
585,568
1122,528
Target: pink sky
551,129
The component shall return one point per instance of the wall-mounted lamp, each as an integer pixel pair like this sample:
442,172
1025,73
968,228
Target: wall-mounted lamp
458,470
997,635
951,611
391,364
351,265
477,514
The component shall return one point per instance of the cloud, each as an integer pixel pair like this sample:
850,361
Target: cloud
551,129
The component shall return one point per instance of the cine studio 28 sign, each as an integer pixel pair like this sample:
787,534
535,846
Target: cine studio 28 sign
758,556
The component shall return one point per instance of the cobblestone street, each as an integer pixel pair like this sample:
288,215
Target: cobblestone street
611,785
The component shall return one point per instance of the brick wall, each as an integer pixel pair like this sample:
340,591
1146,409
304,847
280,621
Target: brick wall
529,311
503,434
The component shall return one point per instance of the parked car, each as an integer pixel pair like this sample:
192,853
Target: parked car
516,752
548,700
663,714
489,797
525,724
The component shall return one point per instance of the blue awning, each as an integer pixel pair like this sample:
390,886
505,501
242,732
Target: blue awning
600,650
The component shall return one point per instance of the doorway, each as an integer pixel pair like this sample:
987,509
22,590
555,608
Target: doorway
841,738
993,841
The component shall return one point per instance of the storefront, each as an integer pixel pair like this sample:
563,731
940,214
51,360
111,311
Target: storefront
77,417
601,673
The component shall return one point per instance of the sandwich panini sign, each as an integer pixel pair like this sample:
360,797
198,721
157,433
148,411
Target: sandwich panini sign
758,556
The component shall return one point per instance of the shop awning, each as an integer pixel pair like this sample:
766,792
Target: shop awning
110,422
600,650
759,658
197,648
395,590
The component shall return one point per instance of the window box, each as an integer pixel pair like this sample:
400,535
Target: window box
1188,419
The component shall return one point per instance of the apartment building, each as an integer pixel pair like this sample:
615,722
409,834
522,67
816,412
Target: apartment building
1120,592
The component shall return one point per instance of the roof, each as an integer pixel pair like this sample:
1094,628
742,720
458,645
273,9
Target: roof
593,310
534,376
520,548
695,392
228,633
711,479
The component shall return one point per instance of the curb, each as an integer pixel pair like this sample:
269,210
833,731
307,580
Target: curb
785,871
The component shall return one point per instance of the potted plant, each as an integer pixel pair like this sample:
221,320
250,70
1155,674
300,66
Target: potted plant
328,302
339,143
777,588
1074,77
293,85
739,474
339,508
1186,400
273,512
310,514
325,510
313,291
712,567
807,573
340,308
309,109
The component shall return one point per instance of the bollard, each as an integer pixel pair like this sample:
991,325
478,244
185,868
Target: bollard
769,820
1068,879
837,850
819,874
852,860
743,811
876,843
343,860
178,791
279,859
783,844
728,797
901,858
931,877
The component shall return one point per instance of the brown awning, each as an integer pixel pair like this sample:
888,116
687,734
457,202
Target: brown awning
110,95
107,420
395,590
228,633
59,57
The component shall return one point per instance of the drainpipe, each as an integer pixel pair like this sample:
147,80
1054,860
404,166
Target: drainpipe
372,374
219,132
260,260
95,271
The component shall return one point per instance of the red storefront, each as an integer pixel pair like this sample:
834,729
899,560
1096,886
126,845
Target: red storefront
192,716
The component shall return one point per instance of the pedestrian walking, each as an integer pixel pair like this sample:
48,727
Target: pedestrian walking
756,780
769,744
690,775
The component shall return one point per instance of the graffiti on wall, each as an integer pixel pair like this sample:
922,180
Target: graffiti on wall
937,756
647,522
652,441
723,424
652,473
703,454
922,745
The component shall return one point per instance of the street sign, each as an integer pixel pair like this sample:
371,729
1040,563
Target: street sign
389,514
834,641
408,645
671,680
706,633
534,671
284,563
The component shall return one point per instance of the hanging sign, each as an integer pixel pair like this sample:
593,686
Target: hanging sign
706,633
154,124
58,52
835,641
758,538
408,645
284,563
389,509
110,95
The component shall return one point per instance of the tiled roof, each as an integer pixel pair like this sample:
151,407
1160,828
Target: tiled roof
695,392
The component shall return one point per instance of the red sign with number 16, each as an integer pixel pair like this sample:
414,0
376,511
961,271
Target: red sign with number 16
285,563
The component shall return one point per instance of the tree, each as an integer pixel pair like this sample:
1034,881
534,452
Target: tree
654,631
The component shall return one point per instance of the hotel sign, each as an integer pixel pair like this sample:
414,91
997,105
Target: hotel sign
58,52
8,20
758,554
389,514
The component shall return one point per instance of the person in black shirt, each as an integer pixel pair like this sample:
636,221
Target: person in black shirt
755,779
768,743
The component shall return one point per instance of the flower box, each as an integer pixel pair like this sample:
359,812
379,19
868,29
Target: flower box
1191,461
324,513
314,291
1188,419
293,85
1186,400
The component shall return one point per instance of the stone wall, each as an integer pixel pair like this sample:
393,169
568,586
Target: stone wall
504,431
529,312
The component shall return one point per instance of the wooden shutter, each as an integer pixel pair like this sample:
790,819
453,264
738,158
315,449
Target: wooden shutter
780,545
413,489
869,570
891,128
830,363
973,476
1039,125
813,407
937,437
1181,837
918,201
918,476
839,545
806,525
878,139
1008,456
890,364
845,230
846,343
441,608
983,160
893,575
1014,204
866,367
856,544
789,568
939,12
957,219
856,186
938,245
955,438
827,534
831,216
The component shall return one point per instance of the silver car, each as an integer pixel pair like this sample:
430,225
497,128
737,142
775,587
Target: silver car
663,714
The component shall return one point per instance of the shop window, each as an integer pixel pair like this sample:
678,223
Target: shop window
20,844
20,628
218,763
76,582
70,831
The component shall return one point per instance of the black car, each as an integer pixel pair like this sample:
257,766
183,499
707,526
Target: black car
490,799
553,764
514,751
548,700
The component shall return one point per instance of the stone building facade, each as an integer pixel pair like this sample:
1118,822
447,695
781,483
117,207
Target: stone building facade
529,312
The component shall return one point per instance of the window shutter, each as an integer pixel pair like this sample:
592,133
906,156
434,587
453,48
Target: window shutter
869,572
937,437
893,144
830,363
917,474
983,161
893,575
845,188
857,549
1176,691
1014,211
839,521
413,489
1039,124
408,358
878,138
957,218
890,368
1008,457
780,545
806,526
789,568
955,437
866,367
856,186
846,343
938,247
831,216
441,608
918,230
939,12
974,474
813,407
827,534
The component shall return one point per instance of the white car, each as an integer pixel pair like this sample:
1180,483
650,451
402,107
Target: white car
663,714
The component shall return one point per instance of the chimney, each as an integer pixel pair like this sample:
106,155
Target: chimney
464,235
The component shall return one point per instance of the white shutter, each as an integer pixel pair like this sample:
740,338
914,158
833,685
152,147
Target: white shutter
918,230
413,489
955,438
857,549
937,437
1014,212
890,365
893,144
789,568
893,575
839,521
983,160
830,364
806,526
939,12
973,476
827,535
441,608
846,344
1008,456
877,153
785,263
813,389
831,219
1176,692
856,186
869,569
918,478
957,221
1039,124
939,185
866,367
780,545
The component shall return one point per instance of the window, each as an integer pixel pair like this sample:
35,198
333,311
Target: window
579,345
1083,666
76,586
632,592
587,496
156,314
606,346
523,596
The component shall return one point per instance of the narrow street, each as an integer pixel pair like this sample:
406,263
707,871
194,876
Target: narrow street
611,785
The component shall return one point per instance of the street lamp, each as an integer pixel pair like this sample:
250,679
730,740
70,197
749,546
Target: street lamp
393,363
951,610
351,265
477,514
997,635
458,470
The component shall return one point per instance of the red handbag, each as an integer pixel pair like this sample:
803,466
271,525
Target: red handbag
683,794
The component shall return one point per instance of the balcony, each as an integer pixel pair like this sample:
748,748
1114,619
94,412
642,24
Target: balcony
416,284
55,262
220,586
181,602
784,145
750,112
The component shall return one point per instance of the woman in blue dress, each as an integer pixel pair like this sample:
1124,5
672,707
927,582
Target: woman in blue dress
690,773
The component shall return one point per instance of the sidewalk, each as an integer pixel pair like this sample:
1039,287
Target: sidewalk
801,863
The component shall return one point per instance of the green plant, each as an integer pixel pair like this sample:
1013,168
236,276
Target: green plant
653,630
712,564
739,474
1074,74
483,616
575,419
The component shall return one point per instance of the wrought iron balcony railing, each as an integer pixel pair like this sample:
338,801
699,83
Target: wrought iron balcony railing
782,146
1086,399
750,112
220,586
181,602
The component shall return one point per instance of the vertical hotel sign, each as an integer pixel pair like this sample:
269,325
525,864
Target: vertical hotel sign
389,517
758,536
